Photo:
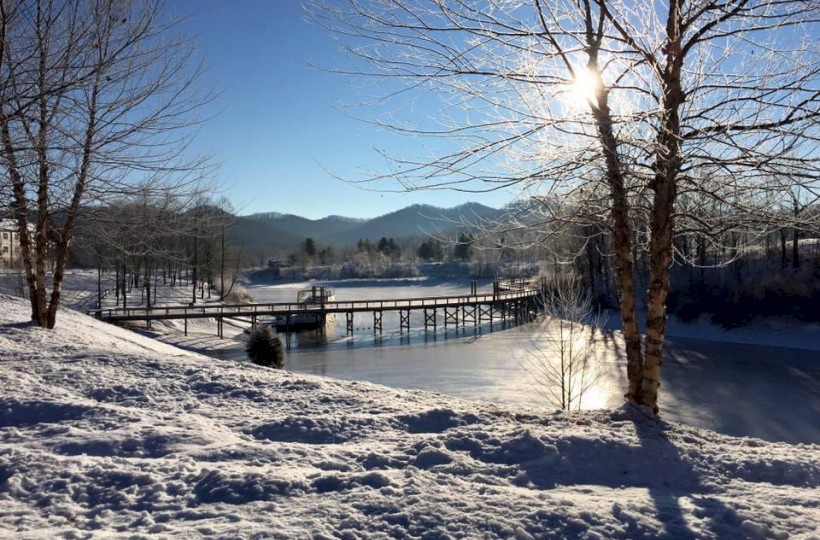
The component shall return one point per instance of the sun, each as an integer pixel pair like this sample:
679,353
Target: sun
584,87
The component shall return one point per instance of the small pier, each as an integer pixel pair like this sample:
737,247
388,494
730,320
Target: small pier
510,300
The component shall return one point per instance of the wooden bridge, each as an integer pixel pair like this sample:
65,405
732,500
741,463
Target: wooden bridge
510,299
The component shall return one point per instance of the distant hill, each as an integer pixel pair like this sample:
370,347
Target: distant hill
285,231
419,220
303,227
258,238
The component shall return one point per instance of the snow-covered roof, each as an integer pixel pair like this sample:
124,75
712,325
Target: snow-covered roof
10,225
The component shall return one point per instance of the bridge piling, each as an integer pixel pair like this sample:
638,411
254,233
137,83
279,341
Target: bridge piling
404,320
430,320
349,323
451,316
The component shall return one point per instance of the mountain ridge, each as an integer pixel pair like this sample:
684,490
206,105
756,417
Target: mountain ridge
336,230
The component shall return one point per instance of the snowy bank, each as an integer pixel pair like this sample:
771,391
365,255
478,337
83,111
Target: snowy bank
104,432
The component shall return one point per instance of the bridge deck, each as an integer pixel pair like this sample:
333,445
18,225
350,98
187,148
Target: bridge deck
289,308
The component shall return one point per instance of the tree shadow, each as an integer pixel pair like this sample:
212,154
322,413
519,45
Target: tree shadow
700,377
655,442
652,462
654,436
706,375
19,325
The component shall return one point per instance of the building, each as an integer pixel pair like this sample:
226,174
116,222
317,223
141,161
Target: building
9,244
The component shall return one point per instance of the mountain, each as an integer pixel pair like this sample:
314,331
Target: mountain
415,220
259,240
303,227
420,220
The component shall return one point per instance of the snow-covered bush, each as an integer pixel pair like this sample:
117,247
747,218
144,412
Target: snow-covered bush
264,348
238,295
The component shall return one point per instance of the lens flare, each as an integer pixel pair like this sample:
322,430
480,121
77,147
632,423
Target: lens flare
584,86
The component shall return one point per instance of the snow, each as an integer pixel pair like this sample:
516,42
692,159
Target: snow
107,433
775,332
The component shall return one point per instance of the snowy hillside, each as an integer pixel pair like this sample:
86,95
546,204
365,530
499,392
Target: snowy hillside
103,430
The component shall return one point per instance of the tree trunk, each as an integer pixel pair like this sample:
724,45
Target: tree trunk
147,282
124,291
20,208
40,315
194,266
99,283
660,257
783,257
666,167
622,243
67,234
222,265
590,252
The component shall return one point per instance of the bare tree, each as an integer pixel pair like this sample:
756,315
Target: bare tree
613,108
95,98
563,362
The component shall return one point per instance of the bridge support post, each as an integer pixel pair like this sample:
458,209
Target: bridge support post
186,325
404,320
349,323
469,314
377,322
484,311
219,327
430,319
448,316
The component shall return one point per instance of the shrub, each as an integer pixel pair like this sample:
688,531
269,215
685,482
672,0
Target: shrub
238,295
562,362
264,348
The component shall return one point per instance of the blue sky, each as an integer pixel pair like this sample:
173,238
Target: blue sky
278,130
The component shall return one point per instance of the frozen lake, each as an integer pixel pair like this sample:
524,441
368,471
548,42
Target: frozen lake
711,378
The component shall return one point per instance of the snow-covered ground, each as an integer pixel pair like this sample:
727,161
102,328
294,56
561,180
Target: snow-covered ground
106,433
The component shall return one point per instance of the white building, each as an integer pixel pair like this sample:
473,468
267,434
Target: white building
9,244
